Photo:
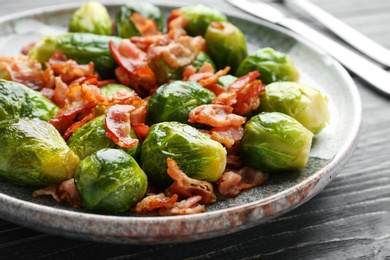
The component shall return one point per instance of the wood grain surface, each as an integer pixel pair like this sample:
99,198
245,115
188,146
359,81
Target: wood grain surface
349,219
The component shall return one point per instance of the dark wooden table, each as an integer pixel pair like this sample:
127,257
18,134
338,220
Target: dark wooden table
349,219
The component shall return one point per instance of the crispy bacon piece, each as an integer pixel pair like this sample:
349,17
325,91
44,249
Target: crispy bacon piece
179,52
86,116
70,70
117,124
144,25
184,207
66,192
242,94
23,70
133,70
154,202
176,24
215,115
228,135
187,187
75,104
213,79
233,182
61,91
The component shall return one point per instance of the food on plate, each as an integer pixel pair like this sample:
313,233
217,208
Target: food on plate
34,153
274,141
302,102
91,17
81,47
199,17
273,65
226,45
91,137
157,117
130,19
197,155
110,180
173,101
17,100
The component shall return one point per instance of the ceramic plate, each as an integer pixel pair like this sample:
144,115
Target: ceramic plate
282,193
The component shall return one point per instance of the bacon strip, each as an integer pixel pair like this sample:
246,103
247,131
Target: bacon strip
186,187
233,182
215,115
154,202
184,207
117,124
144,25
66,192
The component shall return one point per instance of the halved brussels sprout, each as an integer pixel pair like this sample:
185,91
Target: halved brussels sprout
91,137
226,45
110,180
273,66
173,101
274,141
17,100
196,153
304,103
34,153
91,17
125,28
199,17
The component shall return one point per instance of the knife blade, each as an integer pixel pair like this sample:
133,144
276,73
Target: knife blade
351,36
362,67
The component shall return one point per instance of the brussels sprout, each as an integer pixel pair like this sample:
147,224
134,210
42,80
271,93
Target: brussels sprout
110,180
226,80
91,17
125,28
226,45
273,66
199,17
173,101
274,141
81,47
91,137
195,153
304,103
34,153
17,100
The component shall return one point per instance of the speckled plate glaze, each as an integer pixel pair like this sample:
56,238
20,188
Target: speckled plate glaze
282,193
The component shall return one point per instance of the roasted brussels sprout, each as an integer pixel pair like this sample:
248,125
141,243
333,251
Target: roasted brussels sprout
125,27
173,101
81,47
91,17
273,66
34,153
17,100
199,17
304,103
110,180
274,141
91,137
226,45
195,153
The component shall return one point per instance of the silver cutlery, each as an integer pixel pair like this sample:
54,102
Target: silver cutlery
351,36
362,67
